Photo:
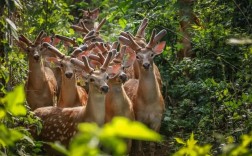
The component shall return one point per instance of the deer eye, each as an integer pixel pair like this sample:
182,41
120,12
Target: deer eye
137,57
152,55
107,77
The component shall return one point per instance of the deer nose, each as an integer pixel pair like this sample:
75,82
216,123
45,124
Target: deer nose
146,65
36,57
69,75
123,77
104,89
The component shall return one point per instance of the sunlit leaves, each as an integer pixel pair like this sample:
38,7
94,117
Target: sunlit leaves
122,127
14,101
111,136
8,136
191,148
122,22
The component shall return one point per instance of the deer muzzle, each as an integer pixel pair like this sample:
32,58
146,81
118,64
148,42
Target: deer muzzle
104,89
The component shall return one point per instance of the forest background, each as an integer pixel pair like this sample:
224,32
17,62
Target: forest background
205,67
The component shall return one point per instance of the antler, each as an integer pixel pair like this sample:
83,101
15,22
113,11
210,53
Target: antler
100,24
67,39
160,35
89,36
39,38
77,28
77,62
87,67
96,9
106,62
53,49
129,42
118,58
81,49
84,27
25,40
155,38
141,30
21,44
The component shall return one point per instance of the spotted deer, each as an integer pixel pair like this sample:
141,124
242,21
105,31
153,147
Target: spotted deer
89,18
60,124
144,92
117,102
71,95
41,85
139,38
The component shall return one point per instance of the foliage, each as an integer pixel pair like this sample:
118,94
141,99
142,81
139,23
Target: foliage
111,137
15,138
208,94
190,148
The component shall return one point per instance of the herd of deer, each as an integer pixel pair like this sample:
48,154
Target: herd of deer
120,83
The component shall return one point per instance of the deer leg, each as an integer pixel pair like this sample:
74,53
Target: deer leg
155,127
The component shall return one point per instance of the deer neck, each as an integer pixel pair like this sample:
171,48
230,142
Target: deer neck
36,75
68,91
116,97
95,109
148,88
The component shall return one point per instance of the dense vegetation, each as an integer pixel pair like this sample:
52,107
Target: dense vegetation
208,93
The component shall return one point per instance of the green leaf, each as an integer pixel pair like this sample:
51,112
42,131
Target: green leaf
180,141
14,101
29,140
122,22
59,147
9,136
131,129
12,25
2,113
18,4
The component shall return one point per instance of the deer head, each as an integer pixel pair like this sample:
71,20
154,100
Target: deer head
62,61
121,60
97,77
33,49
146,54
89,17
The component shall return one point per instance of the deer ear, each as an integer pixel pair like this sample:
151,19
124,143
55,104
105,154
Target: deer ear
158,49
46,39
113,70
95,14
129,57
56,41
53,61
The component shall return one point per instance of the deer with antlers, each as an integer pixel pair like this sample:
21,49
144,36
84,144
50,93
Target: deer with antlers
60,124
117,102
89,17
139,38
71,94
41,85
90,35
145,93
